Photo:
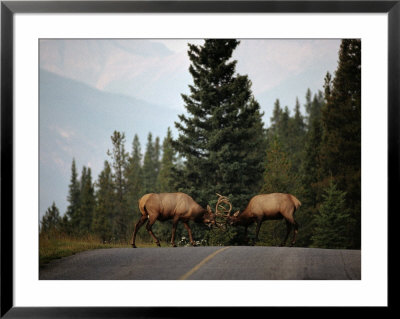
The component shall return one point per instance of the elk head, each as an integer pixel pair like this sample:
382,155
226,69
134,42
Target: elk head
233,220
221,210
209,217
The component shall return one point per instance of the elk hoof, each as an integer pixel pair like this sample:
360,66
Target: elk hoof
158,244
173,245
194,245
133,246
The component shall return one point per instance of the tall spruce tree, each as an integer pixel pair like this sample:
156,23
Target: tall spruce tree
119,163
122,216
102,224
341,119
135,177
308,104
314,112
221,138
150,165
156,159
87,202
296,137
166,175
65,225
73,209
275,119
298,120
311,166
51,220
290,131
278,176
311,169
332,220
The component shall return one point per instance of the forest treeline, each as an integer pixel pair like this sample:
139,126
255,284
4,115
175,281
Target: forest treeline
224,147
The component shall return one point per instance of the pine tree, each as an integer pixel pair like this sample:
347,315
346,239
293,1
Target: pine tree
150,165
296,137
276,118
311,167
134,178
82,182
222,137
51,220
65,225
341,119
308,103
87,201
314,112
290,131
166,175
332,221
123,216
102,224
119,164
283,128
73,209
277,172
299,125
156,159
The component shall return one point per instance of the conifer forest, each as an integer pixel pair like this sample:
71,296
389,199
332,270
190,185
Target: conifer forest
224,147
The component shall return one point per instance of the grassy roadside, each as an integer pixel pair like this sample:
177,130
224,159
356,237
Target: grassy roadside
54,247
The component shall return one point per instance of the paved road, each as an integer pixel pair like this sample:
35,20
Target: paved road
191,263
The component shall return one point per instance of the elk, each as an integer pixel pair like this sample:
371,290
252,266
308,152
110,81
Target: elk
262,207
175,206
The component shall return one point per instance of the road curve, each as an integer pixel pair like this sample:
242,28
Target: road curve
208,263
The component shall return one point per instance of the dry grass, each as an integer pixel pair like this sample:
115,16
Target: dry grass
55,246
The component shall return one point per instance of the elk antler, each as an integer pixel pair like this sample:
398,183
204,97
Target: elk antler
224,200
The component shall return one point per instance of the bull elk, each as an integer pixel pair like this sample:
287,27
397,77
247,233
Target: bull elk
175,206
262,207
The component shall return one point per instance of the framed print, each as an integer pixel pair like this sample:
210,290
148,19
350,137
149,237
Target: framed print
89,87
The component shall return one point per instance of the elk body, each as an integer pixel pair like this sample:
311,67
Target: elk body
175,206
262,207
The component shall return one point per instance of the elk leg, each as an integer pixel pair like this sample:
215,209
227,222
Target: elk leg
174,224
148,227
258,229
190,233
288,229
137,227
296,227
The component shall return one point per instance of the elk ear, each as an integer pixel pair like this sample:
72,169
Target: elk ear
209,209
236,214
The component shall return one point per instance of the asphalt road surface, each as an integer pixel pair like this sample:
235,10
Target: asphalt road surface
209,263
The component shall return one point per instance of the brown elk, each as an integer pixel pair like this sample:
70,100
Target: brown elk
175,206
262,207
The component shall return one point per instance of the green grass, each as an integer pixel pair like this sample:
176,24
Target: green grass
58,246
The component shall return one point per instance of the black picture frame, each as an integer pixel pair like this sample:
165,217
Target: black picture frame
9,8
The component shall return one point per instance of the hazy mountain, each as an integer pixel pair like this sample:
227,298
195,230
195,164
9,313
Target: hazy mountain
132,67
146,69
76,121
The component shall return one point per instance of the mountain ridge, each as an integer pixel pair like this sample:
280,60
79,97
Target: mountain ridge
75,116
